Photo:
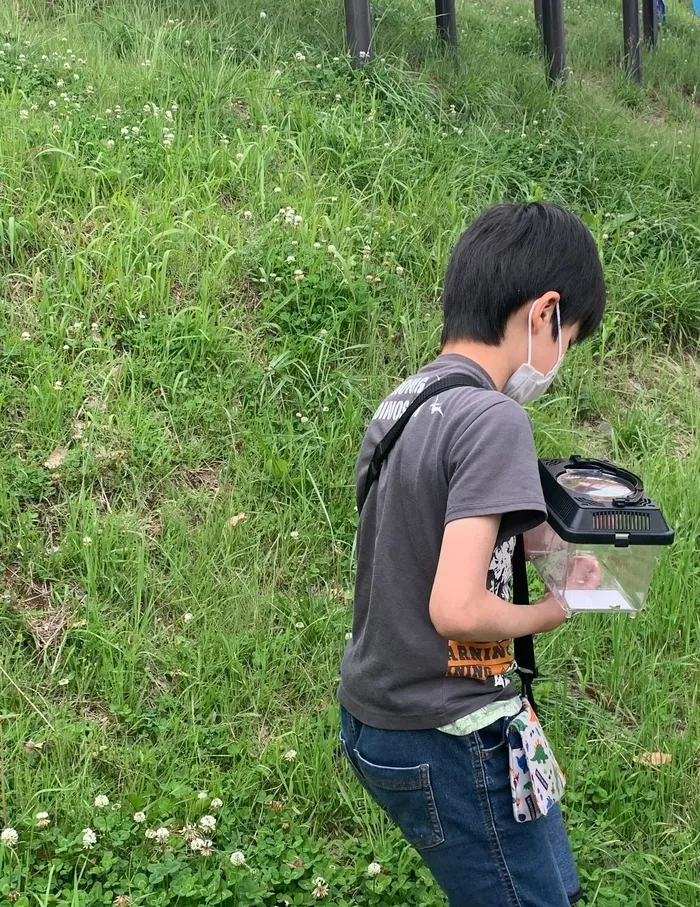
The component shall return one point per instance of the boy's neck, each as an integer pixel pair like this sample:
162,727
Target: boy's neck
493,359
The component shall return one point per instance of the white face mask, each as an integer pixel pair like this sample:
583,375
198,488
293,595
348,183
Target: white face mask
526,383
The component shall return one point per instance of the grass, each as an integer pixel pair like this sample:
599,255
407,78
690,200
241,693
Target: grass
180,417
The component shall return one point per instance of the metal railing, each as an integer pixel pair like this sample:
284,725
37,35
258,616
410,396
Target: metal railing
549,15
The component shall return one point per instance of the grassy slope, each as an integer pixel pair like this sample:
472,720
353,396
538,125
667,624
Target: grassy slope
198,380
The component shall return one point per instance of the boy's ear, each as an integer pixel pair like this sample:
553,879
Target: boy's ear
543,311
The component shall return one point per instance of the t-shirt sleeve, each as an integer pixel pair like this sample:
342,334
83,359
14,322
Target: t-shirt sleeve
492,469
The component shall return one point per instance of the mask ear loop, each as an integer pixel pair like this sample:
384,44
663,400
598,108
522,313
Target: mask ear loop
529,333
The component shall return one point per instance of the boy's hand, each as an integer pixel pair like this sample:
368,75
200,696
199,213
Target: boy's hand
584,572
551,614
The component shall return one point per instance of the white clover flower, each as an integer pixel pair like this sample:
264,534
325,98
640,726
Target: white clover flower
299,276
399,270
631,234
26,336
60,83
89,838
9,837
332,249
348,637
208,823
247,215
187,616
290,756
196,844
24,114
207,847
298,220
374,869
139,818
100,800
110,143
87,541
162,834
320,890
125,131
58,386
216,803
150,833
237,858
263,14
43,820
52,104
202,795
300,57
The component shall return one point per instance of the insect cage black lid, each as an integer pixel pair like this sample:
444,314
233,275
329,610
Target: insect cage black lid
596,502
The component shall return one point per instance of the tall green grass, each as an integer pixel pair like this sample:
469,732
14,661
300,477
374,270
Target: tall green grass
180,415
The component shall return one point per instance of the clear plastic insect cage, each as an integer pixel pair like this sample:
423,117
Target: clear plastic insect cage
602,539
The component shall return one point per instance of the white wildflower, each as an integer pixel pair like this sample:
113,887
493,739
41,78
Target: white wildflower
196,844
290,755
52,104
162,834
187,616
26,336
247,215
237,858
87,541
150,833
298,275
58,386
42,820
202,795
216,803
89,838
332,249
9,837
320,890
263,14
399,270
208,823
300,57
100,800
374,869
110,143
24,114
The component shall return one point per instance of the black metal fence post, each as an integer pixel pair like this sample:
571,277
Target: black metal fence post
630,27
446,18
554,40
358,27
650,17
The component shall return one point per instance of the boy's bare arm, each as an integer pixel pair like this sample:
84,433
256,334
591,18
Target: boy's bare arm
461,607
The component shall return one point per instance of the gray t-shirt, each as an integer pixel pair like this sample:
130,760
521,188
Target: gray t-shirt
466,452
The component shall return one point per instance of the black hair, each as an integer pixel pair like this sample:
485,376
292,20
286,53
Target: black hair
512,254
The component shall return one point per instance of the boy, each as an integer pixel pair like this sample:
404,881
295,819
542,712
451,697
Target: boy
426,692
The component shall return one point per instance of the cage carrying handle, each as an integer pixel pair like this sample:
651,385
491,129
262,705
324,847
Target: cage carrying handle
628,500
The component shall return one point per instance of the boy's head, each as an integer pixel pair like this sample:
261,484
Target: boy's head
515,274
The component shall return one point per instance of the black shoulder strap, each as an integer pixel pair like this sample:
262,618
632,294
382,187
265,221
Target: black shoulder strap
382,450
524,646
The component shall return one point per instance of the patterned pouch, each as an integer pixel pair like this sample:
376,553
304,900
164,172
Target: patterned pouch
536,781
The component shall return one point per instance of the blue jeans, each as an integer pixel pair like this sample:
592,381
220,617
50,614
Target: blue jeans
451,798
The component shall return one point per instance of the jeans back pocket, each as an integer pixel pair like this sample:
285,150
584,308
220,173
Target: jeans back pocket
406,795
